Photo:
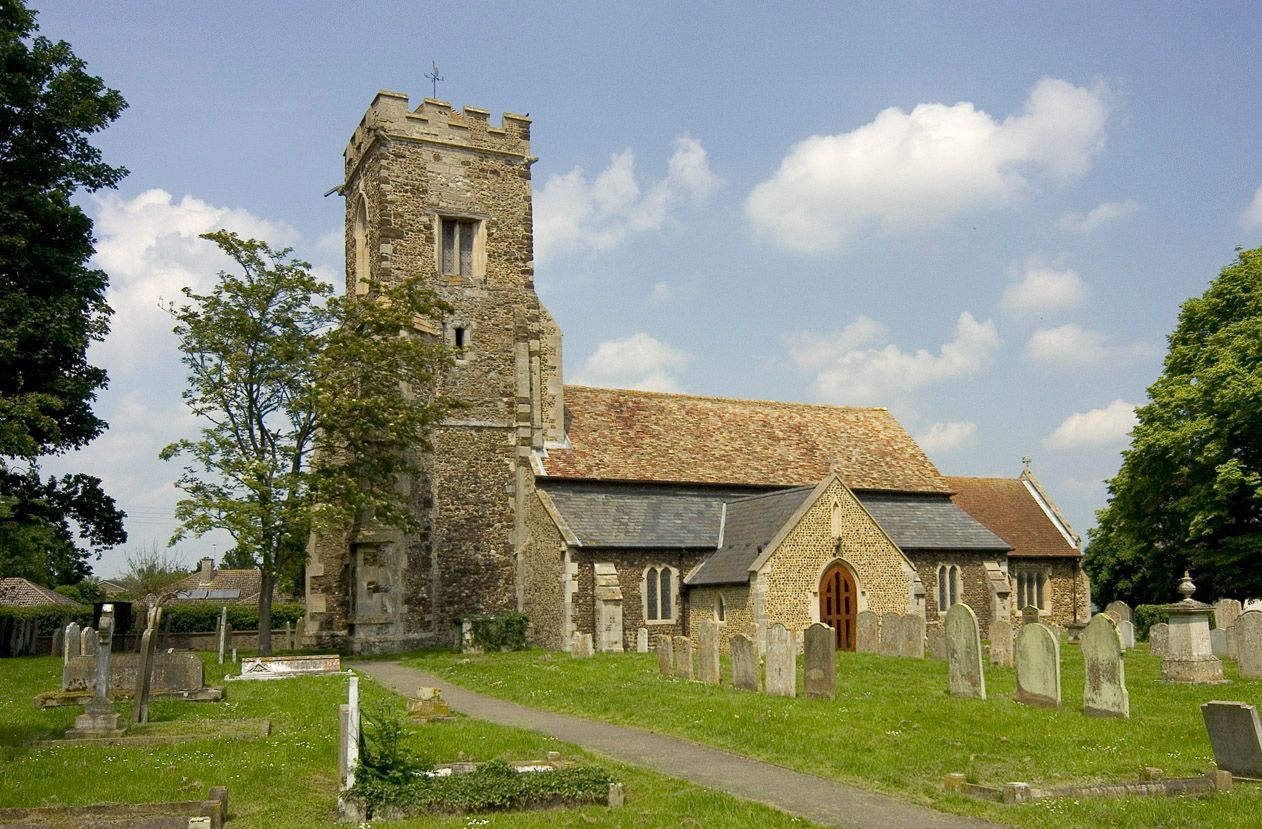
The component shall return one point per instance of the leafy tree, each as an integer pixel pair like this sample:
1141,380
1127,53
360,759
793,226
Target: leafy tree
52,305
1189,491
86,592
275,360
150,571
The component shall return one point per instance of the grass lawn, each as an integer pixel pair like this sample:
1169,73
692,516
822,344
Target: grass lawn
288,778
894,728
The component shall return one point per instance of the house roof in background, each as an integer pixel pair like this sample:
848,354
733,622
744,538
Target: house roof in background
18,592
1011,509
226,586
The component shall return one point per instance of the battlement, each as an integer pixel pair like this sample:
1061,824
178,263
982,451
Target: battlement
436,122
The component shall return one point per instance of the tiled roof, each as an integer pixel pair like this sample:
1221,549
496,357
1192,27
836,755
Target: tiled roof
247,583
17,592
619,434
1008,508
918,522
749,526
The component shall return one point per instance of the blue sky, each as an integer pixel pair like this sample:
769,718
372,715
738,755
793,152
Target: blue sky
983,217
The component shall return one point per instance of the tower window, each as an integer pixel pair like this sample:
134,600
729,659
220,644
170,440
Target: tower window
458,238
460,336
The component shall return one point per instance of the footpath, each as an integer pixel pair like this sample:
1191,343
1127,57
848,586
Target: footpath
826,802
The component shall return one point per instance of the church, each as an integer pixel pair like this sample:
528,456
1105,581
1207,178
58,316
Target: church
604,511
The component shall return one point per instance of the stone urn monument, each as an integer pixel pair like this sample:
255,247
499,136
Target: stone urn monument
1189,656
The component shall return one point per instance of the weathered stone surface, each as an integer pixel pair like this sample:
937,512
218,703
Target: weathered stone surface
1126,629
1189,651
1236,735
172,672
1120,611
73,644
819,661
1218,642
935,642
1248,630
608,594
1038,666
1226,612
868,632
1159,639
665,655
683,656
964,653
642,640
1001,643
1233,642
144,677
276,667
88,642
1104,687
745,667
891,640
708,652
782,675
581,646
911,638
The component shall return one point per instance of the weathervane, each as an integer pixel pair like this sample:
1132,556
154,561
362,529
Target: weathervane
435,77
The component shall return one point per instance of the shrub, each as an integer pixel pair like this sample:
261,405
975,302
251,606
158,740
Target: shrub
49,617
1147,615
203,617
497,631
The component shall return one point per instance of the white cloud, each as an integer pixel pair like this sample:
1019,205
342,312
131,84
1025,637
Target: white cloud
1252,215
1043,289
1097,217
1094,428
905,171
573,214
943,438
636,362
852,368
661,293
1073,346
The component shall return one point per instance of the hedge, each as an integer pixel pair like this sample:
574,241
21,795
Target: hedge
203,617
49,617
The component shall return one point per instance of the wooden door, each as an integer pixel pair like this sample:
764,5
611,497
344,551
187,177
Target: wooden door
838,601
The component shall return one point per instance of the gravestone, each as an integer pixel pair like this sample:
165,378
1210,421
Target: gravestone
222,634
144,677
683,656
581,646
820,661
352,732
745,668
1038,666
73,643
58,647
1189,652
99,719
1226,612
1120,611
289,636
708,652
428,704
782,674
1233,642
1236,736
911,629
1218,642
1029,615
665,656
964,653
1159,639
868,633
1126,629
891,641
642,640
171,673
89,642
300,631
1104,684
1248,630
1001,643
935,642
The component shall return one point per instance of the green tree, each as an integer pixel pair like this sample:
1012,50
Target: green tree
1189,491
150,571
275,360
52,305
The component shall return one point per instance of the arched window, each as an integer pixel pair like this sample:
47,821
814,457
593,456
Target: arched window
658,590
949,586
1032,590
361,250
720,610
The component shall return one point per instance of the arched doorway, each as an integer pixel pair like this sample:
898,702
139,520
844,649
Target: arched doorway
838,604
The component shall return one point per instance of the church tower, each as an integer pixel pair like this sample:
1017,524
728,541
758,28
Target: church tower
447,196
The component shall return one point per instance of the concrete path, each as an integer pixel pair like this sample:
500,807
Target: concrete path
823,801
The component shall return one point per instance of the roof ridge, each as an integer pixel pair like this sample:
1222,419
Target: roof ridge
771,494
717,398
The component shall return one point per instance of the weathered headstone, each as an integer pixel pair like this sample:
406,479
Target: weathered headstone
867,632
58,647
300,632
1249,644
73,642
1029,615
352,731
745,668
708,652
1159,639
1120,611
289,636
891,641
935,642
683,657
819,661
642,640
1218,642
99,719
964,653
89,642
144,677
665,655
1236,736
221,632
581,647
1126,629
1001,642
1038,666
782,674
1233,642
1104,685
175,673
911,636
1226,612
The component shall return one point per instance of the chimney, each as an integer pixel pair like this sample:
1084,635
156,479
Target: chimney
205,570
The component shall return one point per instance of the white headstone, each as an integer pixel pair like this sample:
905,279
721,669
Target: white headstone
1126,629
642,640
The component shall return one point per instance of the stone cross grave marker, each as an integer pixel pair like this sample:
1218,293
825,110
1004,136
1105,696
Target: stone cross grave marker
683,657
642,640
223,644
964,653
665,655
782,674
911,636
1226,612
99,719
1104,687
1029,615
1126,629
708,652
868,632
891,644
1001,643
1159,639
1120,611
935,641
1236,736
745,668
1038,666
820,661
1249,644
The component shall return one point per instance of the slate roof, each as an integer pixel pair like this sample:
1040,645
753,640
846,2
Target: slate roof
18,592
620,434
749,526
921,523
1009,509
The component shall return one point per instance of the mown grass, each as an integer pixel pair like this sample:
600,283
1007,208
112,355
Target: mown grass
893,727
288,779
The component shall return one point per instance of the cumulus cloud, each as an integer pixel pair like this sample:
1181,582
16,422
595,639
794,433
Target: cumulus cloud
1094,428
1252,215
1097,217
1043,289
636,362
908,170
853,366
1072,346
943,438
574,214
